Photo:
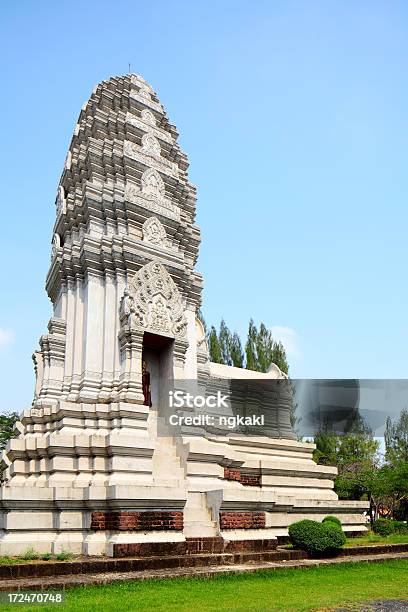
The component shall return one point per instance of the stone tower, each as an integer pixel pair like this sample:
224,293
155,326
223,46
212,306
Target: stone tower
124,202
89,471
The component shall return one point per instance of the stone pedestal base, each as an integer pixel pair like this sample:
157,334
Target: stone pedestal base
88,521
236,490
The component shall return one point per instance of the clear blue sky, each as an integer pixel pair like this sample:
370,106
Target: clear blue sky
294,117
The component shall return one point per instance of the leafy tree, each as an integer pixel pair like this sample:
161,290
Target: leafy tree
353,480
279,357
399,483
382,494
326,447
355,454
7,427
236,352
250,347
360,474
388,491
224,338
358,445
262,350
396,439
214,346
396,445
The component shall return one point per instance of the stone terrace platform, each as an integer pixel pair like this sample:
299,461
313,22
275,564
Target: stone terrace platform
60,575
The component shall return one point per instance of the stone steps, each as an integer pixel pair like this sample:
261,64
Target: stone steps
166,462
202,559
198,521
47,569
65,580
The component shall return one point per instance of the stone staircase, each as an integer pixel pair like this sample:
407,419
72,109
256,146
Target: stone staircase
167,470
198,521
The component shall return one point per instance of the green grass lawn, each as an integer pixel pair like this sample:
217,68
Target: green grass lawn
290,590
373,538
35,558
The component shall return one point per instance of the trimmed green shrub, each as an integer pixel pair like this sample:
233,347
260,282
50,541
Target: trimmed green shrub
332,519
316,538
383,526
334,525
400,527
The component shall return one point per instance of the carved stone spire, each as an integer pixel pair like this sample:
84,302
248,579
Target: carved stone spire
124,200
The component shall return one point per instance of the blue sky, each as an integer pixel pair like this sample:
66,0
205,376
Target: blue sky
294,118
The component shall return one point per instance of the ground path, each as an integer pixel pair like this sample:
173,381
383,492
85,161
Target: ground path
380,606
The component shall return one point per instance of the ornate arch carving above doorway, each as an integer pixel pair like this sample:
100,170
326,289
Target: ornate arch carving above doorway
153,302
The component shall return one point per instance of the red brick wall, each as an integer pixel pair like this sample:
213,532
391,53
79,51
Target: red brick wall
242,520
137,521
98,520
230,474
249,480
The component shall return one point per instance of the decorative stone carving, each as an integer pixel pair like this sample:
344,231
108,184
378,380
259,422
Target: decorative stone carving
153,302
137,79
160,316
38,361
162,207
144,153
144,92
154,232
148,117
152,185
202,344
150,145
147,122
68,160
127,309
56,244
60,202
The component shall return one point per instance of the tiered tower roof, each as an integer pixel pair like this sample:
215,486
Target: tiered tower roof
125,168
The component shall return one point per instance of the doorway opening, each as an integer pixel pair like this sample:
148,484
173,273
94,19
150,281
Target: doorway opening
157,368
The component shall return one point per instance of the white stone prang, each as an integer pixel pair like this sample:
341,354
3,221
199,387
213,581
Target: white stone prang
124,289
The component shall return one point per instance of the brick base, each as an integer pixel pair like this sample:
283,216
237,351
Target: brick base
137,521
242,520
193,546
103,570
